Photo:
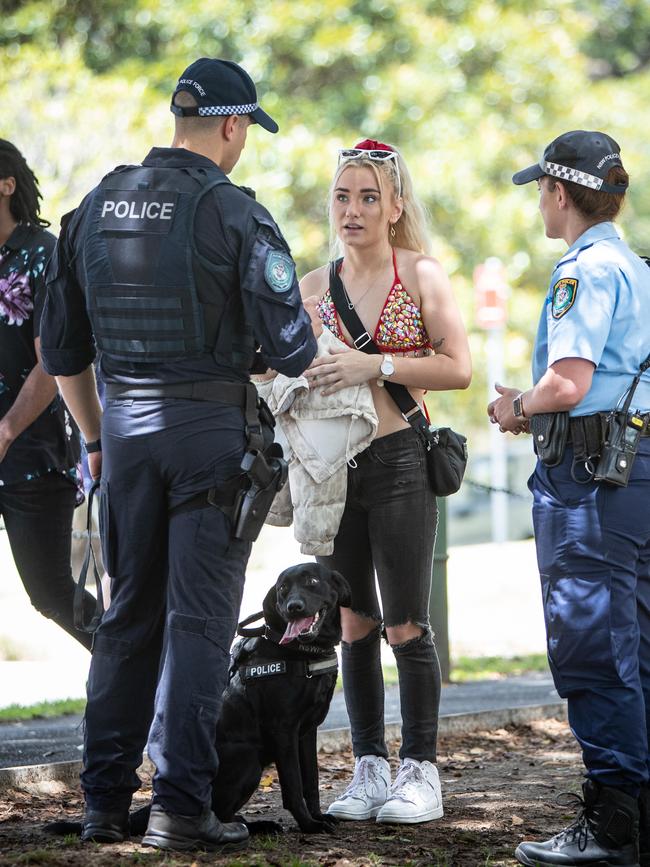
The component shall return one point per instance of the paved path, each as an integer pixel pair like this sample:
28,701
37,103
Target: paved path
494,610
43,741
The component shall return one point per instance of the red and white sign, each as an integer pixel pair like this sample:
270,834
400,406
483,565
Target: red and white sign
491,291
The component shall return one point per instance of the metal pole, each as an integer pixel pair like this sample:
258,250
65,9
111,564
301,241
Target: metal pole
498,445
438,601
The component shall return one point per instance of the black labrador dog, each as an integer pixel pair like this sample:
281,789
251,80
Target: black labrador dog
281,683
279,693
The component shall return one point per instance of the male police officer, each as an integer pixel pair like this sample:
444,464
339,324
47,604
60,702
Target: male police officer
590,511
177,276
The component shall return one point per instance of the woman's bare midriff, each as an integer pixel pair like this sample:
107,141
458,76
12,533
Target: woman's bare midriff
390,418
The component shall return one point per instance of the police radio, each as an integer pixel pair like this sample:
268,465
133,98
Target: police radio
624,431
620,448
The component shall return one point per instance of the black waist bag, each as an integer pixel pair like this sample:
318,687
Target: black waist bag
446,460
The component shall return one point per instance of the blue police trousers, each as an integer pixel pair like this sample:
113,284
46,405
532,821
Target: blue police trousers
593,550
161,652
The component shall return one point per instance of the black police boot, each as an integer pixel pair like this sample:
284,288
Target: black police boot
104,827
644,826
186,833
605,834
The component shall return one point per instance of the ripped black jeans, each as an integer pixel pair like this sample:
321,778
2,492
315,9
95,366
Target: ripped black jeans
389,529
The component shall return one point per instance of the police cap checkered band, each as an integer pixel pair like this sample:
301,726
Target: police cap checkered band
211,110
567,174
580,157
220,88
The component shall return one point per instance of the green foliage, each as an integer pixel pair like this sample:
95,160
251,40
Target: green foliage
470,90
619,41
42,710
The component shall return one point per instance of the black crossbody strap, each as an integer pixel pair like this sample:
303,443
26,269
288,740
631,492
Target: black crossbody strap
364,342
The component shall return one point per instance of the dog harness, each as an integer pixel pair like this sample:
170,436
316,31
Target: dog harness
295,667
262,667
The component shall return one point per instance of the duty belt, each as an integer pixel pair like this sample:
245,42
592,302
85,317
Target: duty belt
592,427
234,393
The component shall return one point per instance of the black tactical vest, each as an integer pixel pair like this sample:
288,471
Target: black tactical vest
139,257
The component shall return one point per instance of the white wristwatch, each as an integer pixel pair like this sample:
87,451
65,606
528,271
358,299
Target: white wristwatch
386,368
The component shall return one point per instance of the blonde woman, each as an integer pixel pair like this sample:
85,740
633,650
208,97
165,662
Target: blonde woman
403,299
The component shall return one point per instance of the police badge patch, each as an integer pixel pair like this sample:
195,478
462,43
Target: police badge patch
564,294
279,271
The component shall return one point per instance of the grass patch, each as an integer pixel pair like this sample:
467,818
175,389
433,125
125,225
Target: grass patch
483,667
491,667
462,669
42,710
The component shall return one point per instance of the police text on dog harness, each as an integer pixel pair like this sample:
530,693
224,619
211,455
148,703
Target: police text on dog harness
296,667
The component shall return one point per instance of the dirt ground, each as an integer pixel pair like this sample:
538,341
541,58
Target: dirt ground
499,788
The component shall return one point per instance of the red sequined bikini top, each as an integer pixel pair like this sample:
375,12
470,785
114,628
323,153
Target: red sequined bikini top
400,327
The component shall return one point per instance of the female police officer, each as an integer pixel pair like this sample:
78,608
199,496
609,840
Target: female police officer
176,275
592,537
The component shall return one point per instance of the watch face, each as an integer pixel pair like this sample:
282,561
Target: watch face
387,367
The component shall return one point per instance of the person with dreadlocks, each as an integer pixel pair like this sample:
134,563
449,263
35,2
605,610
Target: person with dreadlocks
39,445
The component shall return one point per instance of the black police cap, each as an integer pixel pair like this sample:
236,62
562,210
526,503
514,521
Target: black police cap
579,156
221,88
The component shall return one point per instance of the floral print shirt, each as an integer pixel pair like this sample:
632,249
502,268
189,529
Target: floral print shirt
51,442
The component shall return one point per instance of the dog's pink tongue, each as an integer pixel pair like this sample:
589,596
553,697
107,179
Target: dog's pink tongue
294,628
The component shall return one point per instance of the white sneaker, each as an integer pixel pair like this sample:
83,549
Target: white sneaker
415,795
366,793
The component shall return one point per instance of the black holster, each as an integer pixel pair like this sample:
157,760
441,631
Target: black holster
247,497
265,473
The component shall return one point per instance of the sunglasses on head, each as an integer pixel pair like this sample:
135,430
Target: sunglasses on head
346,154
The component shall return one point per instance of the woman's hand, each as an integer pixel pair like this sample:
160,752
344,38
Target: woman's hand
342,367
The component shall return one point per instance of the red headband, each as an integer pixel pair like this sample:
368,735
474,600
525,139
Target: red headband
369,144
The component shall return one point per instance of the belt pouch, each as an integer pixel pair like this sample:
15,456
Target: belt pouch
550,431
587,436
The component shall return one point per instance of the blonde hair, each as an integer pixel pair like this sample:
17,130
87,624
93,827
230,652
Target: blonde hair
411,232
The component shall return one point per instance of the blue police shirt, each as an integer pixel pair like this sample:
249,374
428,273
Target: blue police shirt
598,308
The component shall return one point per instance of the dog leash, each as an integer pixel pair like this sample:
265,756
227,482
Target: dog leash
79,593
263,631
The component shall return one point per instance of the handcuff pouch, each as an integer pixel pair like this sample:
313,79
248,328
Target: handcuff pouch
550,432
